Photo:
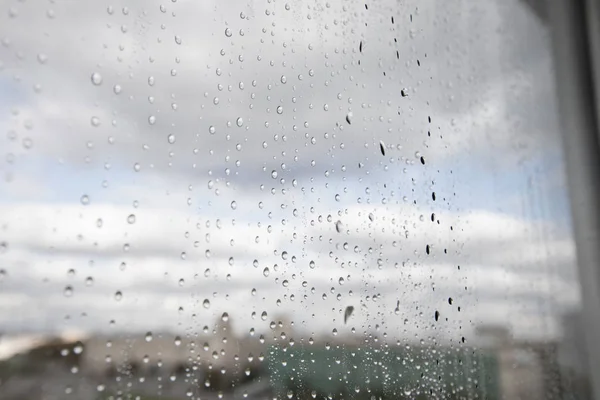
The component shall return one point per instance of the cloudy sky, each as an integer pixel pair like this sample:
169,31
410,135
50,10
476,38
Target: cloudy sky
165,162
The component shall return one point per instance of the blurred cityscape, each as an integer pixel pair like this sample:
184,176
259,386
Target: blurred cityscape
216,364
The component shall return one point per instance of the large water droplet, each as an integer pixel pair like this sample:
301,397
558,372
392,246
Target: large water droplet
97,79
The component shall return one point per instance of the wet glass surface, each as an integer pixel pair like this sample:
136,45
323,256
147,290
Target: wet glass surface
273,199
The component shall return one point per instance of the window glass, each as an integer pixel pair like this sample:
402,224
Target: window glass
292,200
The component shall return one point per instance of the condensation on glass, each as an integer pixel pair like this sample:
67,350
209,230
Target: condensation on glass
291,200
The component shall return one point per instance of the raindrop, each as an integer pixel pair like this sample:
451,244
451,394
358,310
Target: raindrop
266,271
274,174
349,118
225,317
171,138
404,92
283,79
85,200
68,292
148,337
279,110
212,130
206,303
95,121
118,295
339,226
89,281
382,147
348,312
177,341
227,32
96,79
240,121
233,205
131,219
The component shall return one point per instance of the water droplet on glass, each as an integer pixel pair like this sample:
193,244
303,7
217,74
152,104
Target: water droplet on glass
349,118
68,292
171,138
177,341
266,271
118,295
96,79
42,58
227,32
274,174
382,147
339,226
95,121
85,200
131,219
283,79
348,312
239,122
225,317
148,337
206,303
